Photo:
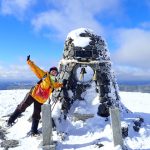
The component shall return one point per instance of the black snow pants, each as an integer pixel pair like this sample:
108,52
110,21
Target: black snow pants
28,100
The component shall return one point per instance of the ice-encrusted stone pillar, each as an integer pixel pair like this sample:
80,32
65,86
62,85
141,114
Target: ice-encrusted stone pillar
84,48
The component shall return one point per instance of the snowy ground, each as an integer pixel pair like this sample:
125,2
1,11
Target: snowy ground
81,135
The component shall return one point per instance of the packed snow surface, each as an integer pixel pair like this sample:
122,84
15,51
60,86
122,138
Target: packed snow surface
80,135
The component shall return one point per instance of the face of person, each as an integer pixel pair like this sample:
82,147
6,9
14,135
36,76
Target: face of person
53,72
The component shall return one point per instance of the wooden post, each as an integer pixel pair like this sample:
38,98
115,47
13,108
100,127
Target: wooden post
46,125
116,127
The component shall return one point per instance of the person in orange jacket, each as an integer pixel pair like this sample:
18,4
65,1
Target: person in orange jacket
38,95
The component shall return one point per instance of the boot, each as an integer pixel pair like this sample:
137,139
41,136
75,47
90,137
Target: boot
34,127
13,117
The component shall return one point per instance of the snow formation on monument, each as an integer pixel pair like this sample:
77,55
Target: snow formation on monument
87,52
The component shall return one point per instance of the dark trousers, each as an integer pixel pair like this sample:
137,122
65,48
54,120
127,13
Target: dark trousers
28,100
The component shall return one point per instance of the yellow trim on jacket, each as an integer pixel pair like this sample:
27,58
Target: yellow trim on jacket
45,84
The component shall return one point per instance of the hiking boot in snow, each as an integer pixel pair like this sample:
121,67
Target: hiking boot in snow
33,133
10,124
13,117
34,127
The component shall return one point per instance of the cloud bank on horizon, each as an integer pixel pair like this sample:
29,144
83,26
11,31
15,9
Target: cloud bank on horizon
124,24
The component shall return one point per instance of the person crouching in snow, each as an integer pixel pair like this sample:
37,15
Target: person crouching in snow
38,95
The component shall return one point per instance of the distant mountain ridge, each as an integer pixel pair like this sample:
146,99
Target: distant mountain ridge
134,82
134,86
8,85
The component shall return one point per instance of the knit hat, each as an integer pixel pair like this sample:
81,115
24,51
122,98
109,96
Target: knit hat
53,68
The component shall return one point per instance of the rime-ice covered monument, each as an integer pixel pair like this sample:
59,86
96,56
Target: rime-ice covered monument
86,53
86,65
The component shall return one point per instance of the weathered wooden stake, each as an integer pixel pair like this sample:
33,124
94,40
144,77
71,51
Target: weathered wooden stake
116,126
46,125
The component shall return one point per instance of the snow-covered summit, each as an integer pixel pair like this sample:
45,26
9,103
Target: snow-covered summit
78,40
81,135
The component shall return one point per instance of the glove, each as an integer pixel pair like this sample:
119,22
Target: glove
28,57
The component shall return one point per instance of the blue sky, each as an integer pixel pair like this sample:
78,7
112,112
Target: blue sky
40,27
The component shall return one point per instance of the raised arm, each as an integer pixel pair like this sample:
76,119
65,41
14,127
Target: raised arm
37,71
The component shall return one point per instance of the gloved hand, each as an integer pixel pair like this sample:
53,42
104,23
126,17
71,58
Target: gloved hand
28,57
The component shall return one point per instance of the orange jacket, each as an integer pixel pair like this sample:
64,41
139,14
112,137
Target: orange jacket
45,84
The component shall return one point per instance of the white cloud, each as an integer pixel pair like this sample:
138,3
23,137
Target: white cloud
20,71
16,72
68,15
132,56
18,8
131,73
133,48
